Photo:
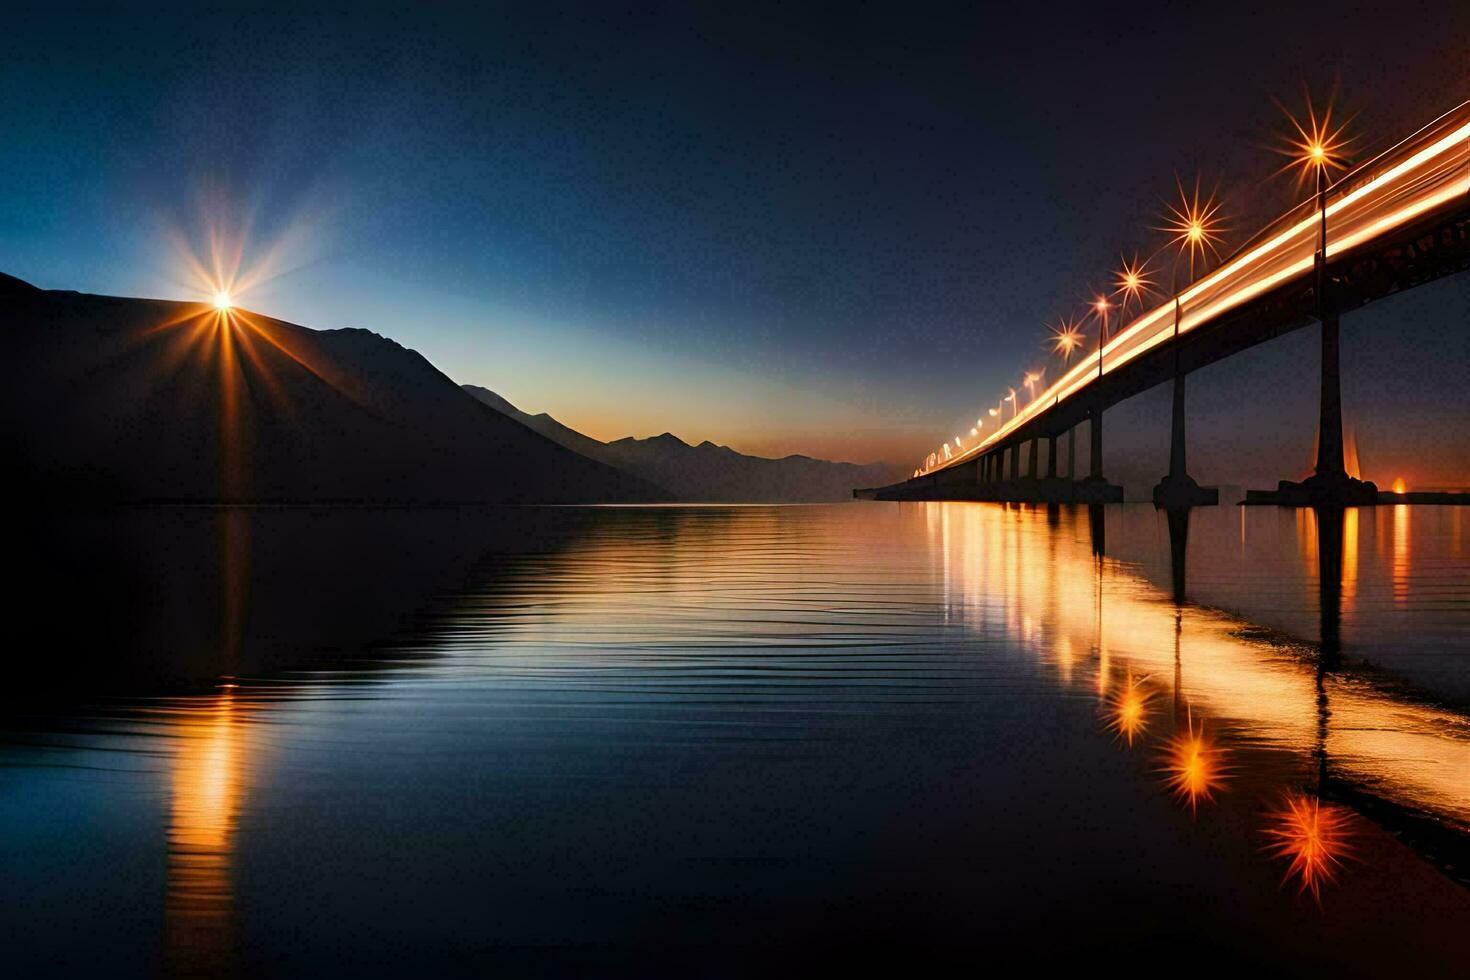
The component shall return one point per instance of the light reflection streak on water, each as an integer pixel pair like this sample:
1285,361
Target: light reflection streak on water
1413,753
211,757
1401,556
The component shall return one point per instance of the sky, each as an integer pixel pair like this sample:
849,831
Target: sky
831,230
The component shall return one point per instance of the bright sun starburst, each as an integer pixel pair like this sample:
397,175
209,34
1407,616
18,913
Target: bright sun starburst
1316,837
221,300
1314,147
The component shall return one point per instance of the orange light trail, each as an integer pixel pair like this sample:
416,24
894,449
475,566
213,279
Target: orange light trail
1428,171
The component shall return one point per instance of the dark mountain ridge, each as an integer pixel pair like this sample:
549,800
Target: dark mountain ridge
709,472
117,399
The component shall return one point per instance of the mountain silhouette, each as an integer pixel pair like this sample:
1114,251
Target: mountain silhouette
133,399
708,472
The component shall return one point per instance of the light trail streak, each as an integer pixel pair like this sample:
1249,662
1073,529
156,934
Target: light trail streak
1427,171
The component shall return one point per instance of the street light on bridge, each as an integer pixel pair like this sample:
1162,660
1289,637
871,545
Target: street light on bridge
1065,338
1315,150
1101,306
1195,225
1032,377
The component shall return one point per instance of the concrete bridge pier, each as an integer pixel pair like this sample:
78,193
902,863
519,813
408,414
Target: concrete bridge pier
1096,489
1178,489
1094,460
1329,486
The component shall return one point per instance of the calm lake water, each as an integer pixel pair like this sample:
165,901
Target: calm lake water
721,741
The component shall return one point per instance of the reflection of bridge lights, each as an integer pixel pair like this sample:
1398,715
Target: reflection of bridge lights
1128,711
1316,837
1195,766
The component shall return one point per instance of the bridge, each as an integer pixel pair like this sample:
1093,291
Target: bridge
1396,221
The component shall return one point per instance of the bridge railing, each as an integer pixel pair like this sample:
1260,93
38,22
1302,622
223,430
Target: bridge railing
1425,172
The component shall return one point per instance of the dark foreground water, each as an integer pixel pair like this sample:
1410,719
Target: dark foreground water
726,741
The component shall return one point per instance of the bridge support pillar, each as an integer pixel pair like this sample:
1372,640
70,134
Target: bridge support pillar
1330,485
1051,456
1015,461
1095,461
1072,453
1033,472
1178,489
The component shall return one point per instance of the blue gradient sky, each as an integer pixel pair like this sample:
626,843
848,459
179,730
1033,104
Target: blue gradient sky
831,232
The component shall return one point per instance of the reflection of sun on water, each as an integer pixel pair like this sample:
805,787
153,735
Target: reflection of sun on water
206,789
1400,554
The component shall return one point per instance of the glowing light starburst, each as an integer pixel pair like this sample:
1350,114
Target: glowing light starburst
1066,337
222,300
1315,837
1133,281
1194,223
1128,711
1314,147
1194,765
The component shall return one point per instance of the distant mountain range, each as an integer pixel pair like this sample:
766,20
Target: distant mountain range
708,472
133,399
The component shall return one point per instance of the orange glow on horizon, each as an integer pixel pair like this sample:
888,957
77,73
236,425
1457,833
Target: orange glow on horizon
1399,485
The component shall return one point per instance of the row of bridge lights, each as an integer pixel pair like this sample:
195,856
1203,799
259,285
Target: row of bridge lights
1195,227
